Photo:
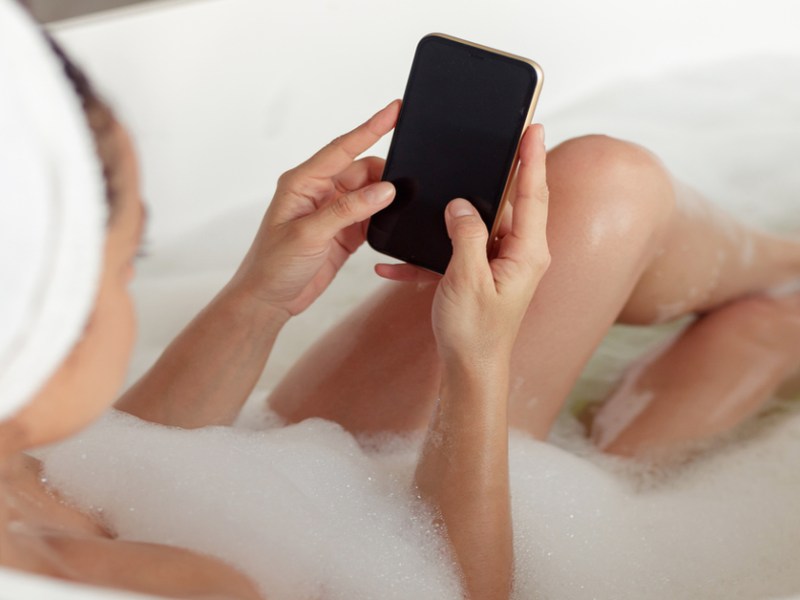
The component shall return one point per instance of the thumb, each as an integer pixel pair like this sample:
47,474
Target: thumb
469,237
350,208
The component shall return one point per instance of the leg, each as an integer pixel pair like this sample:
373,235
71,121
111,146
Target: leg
619,233
716,374
628,244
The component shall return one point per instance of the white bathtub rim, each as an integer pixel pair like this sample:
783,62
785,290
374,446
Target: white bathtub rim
15,585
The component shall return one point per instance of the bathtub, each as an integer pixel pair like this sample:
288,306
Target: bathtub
224,96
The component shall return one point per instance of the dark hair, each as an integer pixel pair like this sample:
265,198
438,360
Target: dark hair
100,119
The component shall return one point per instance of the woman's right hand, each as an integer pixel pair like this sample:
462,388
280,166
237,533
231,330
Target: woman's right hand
477,310
479,303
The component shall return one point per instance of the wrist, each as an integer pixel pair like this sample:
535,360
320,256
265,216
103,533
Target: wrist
495,360
475,372
245,304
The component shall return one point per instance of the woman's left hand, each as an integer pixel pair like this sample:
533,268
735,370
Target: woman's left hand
317,219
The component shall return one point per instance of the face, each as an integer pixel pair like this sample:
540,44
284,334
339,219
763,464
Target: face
91,376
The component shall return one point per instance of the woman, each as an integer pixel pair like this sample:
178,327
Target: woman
315,220
463,332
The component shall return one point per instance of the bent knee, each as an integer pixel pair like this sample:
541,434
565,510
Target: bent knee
608,157
622,187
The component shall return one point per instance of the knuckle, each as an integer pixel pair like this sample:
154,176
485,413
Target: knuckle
470,228
343,207
337,141
538,193
538,261
541,265
287,179
543,260
543,192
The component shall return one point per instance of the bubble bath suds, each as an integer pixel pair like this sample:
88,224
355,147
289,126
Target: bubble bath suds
302,509
307,513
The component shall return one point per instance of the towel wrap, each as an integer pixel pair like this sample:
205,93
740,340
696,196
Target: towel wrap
53,212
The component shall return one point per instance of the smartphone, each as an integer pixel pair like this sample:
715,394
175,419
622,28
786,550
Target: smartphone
464,111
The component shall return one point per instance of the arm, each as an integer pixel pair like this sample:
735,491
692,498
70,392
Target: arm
144,568
477,311
315,221
463,474
206,374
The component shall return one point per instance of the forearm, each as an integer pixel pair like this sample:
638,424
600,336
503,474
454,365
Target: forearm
206,374
463,475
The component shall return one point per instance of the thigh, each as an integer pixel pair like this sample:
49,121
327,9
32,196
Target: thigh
376,370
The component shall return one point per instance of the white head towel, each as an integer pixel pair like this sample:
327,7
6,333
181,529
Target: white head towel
52,212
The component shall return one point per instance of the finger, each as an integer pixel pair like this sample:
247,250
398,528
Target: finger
504,228
406,272
348,209
512,189
341,152
359,174
530,202
468,235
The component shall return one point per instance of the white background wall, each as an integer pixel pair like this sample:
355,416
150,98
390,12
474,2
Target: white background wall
223,95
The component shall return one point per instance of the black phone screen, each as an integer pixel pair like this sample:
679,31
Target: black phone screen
462,116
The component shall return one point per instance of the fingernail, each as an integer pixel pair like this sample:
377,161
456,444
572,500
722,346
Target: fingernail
461,208
379,192
540,134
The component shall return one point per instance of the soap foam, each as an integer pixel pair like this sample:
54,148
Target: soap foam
307,512
302,510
